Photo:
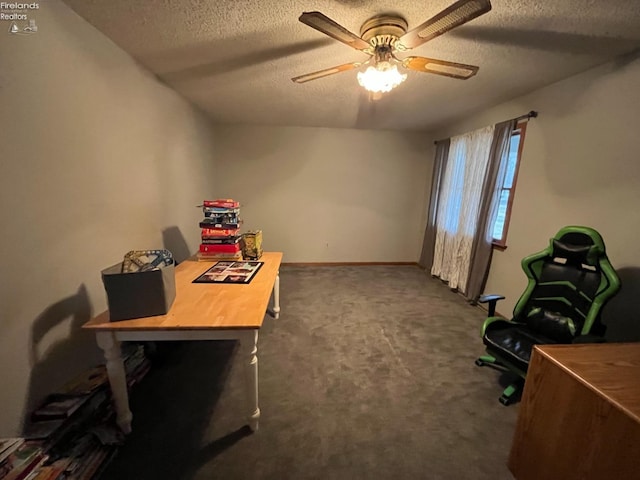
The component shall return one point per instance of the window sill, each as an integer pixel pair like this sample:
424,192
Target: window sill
499,246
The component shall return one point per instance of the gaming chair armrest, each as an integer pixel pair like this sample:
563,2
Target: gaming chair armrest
492,300
588,338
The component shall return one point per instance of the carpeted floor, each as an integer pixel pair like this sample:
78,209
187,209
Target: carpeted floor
368,374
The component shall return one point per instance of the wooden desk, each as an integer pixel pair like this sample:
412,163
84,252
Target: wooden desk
580,414
201,311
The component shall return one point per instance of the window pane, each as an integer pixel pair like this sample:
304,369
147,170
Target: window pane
498,227
512,160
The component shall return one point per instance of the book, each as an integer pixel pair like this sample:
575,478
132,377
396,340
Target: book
33,469
49,472
92,464
111,453
73,429
8,446
86,382
133,357
23,461
43,429
138,373
58,406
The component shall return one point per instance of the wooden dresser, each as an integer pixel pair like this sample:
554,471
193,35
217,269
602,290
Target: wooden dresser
580,414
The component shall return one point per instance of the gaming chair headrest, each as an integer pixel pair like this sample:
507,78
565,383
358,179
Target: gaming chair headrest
579,245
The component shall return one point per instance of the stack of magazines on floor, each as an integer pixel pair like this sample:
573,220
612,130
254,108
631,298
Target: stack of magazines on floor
72,435
220,230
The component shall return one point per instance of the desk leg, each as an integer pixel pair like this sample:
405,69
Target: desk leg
248,351
117,378
276,297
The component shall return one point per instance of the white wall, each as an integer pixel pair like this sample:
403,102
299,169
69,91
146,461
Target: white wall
580,166
98,158
329,195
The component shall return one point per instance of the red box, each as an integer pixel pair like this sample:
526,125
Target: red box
219,248
222,203
219,232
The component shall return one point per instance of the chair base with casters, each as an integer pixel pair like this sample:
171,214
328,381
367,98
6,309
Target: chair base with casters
512,392
569,283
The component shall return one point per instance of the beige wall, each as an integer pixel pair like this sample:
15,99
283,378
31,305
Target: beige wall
329,195
98,158
581,166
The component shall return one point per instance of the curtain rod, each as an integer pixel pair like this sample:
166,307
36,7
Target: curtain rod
526,116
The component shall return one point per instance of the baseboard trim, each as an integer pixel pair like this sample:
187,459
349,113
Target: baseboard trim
344,264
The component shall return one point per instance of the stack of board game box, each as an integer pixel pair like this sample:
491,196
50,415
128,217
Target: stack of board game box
72,434
18,458
220,235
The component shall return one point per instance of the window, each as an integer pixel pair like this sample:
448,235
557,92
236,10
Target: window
501,224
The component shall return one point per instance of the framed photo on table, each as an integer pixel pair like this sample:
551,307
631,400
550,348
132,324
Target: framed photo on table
230,272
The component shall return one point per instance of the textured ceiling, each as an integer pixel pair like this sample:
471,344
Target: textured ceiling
235,58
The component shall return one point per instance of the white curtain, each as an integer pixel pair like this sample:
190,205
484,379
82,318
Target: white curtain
459,205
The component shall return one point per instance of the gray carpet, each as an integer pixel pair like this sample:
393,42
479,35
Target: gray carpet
368,374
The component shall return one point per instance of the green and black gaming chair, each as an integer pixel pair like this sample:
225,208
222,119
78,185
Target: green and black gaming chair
569,283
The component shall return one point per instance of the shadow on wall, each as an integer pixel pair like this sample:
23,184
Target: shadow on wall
621,314
174,241
569,119
54,365
565,102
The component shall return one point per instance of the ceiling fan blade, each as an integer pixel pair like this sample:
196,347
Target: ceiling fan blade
324,24
457,14
440,67
326,72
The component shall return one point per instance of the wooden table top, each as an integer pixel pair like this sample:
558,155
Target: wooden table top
610,369
207,305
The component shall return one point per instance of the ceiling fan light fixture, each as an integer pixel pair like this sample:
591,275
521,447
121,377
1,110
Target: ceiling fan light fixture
384,35
382,78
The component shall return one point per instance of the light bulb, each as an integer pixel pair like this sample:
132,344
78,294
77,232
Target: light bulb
382,78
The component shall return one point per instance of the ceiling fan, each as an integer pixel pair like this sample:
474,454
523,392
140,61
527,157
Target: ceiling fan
383,36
